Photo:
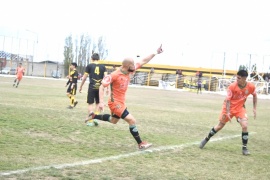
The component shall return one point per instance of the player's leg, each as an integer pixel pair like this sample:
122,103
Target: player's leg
90,101
102,117
19,78
72,98
74,92
18,82
96,97
243,120
14,82
134,131
69,95
223,119
114,118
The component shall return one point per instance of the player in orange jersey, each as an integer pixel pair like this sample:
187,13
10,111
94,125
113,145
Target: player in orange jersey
119,81
234,106
19,74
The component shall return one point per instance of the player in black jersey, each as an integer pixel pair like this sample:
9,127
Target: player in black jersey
72,85
96,72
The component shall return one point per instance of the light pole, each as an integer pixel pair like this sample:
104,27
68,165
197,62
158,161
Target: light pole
34,49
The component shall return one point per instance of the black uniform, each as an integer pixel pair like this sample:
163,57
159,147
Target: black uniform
96,73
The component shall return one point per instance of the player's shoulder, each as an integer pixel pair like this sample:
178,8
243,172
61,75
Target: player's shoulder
233,85
250,85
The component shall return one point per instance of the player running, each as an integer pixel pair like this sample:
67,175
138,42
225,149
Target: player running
233,106
19,75
119,81
72,85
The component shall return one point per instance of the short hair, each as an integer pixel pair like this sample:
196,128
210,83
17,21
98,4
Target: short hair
74,64
242,73
95,56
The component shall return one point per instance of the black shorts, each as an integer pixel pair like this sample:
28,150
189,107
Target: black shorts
93,96
72,91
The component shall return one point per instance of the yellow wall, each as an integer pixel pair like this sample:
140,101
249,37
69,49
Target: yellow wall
168,69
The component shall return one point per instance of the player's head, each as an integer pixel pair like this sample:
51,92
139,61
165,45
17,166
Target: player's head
242,73
95,57
128,64
242,76
73,65
20,64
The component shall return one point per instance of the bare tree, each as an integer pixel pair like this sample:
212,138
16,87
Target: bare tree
83,55
68,53
102,49
76,50
84,48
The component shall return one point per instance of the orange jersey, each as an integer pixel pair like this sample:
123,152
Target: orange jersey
20,71
119,84
238,96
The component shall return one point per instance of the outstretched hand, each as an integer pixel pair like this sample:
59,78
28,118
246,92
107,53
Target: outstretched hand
160,50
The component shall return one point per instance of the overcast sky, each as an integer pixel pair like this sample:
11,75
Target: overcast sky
193,32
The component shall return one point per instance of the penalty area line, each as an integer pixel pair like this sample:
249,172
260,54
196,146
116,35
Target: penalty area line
101,160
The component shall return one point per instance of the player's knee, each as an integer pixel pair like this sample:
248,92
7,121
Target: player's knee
114,120
244,123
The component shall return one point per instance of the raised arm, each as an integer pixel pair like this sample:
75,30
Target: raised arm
149,57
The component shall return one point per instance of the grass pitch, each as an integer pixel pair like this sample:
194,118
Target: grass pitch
41,139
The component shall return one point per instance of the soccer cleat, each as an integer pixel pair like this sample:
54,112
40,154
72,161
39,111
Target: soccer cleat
144,145
70,107
95,122
202,144
90,117
75,103
245,151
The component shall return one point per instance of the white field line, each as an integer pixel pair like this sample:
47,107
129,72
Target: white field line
101,160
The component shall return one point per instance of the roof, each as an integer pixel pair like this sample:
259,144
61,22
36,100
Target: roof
52,62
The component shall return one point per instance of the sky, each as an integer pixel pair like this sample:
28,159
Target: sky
208,34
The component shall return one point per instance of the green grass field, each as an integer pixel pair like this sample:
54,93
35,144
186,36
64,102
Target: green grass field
41,139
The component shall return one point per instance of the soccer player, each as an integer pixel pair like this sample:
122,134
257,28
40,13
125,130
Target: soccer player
72,85
234,106
96,73
19,74
119,81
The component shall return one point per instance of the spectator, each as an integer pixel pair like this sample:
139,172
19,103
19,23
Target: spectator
152,70
179,72
199,86
200,74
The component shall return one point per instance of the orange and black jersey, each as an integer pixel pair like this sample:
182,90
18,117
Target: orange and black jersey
96,73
